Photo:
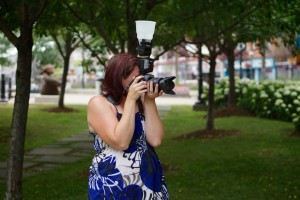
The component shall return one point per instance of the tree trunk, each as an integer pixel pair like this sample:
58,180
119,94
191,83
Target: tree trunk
64,80
132,45
211,101
200,74
231,95
132,39
19,120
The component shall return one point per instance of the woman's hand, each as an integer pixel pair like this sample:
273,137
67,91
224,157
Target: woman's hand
153,93
137,88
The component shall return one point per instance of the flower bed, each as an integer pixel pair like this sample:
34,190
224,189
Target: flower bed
268,99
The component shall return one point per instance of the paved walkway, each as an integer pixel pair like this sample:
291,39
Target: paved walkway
68,150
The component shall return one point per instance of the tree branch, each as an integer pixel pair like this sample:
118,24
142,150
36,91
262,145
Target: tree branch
8,33
106,39
76,15
166,50
54,36
230,26
40,9
89,48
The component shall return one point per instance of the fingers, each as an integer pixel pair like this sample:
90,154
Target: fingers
140,88
153,92
150,87
137,79
137,88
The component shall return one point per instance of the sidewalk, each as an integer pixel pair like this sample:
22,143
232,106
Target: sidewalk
82,97
68,150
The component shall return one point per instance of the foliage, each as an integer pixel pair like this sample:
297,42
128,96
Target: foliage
45,51
5,45
268,99
284,16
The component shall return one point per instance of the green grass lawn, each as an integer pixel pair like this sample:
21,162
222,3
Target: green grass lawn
42,127
259,163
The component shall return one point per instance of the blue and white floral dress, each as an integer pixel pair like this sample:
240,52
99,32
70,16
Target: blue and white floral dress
133,174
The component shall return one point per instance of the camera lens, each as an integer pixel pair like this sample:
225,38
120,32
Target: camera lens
165,84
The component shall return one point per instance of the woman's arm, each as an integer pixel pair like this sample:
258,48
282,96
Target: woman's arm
102,118
153,125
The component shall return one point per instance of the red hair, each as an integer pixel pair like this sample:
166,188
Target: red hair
119,67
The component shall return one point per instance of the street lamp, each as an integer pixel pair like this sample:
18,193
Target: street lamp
199,105
241,47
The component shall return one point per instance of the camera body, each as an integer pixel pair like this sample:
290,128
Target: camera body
145,64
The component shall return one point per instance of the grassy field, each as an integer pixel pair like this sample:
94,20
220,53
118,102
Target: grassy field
42,127
261,162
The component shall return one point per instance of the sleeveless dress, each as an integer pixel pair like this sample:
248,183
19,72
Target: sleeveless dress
133,174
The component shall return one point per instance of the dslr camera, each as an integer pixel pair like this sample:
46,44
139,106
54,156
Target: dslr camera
145,63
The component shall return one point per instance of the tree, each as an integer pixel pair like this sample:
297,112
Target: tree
19,17
66,44
201,25
234,34
63,34
208,23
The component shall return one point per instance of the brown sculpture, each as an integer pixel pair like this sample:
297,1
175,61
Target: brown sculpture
49,84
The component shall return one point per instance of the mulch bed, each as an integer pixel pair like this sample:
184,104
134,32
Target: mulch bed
233,111
292,133
201,134
59,110
169,168
217,133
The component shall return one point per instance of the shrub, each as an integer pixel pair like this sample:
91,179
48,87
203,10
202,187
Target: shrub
269,99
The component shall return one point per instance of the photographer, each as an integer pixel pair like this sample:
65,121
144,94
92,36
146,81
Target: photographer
126,126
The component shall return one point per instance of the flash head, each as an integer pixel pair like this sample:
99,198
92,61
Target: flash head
144,48
145,65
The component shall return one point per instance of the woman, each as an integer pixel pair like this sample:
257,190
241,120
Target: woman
126,126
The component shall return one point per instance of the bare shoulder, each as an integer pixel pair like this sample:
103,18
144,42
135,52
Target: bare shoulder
100,103
96,100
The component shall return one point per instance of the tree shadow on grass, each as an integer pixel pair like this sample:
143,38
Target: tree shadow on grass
233,111
59,110
217,133
210,134
292,133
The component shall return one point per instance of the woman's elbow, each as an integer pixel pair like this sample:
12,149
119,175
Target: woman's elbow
155,143
121,146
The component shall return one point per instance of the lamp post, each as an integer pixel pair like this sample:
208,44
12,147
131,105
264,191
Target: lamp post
199,105
2,95
241,47
251,53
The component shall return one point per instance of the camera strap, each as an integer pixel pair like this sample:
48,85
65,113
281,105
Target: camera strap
139,102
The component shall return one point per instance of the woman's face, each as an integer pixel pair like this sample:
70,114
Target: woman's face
134,73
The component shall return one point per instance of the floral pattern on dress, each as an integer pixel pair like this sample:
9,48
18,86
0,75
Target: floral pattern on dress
133,174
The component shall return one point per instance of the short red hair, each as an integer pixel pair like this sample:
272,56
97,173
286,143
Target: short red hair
119,67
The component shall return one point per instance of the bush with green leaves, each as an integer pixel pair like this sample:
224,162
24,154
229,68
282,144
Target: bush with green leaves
269,99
